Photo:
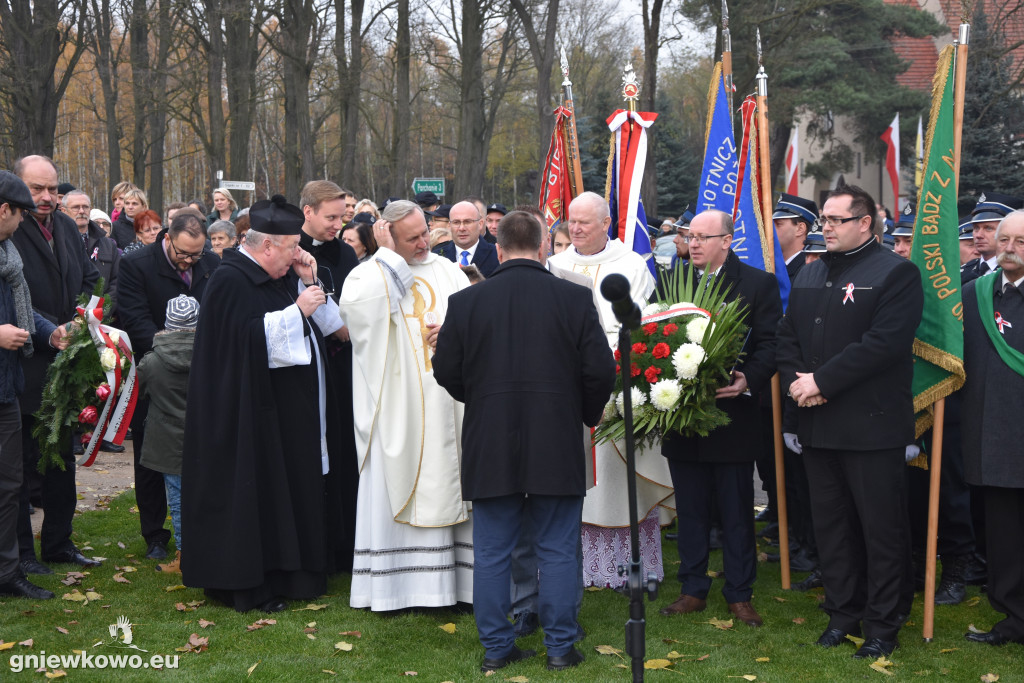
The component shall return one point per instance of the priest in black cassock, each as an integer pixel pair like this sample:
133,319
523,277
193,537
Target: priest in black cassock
256,434
323,205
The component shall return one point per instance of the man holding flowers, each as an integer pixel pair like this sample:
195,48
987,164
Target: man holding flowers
721,464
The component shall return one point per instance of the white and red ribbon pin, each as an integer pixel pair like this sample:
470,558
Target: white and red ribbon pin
849,293
1002,322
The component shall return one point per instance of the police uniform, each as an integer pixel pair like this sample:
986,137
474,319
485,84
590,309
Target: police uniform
991,207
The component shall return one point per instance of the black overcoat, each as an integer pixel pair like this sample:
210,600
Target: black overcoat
858,343
526,353
147,282
740,440
56,277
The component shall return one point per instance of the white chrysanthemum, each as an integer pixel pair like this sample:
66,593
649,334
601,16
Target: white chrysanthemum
687,359
639,398
651,309
665,394
108,359
696,328
682,303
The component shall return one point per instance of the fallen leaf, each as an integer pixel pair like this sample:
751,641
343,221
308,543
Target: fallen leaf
607,650
354,634
590,589
75,596
762,557
195,644
180,606
447,628
990,678
702,658
253,668
26,643
196,603
674,655
856,641
518,679
179,587
93,595
73,623
714,575
203,623
311,624
799,620
100,559
410,673
948,649
310,629
119,577
260,623
56,673
763,659
974,629
328,671
128,569
343,646
6,646
973,602
657,664
28,613
778,599
311,607
311,636
121,545
62,630
724,625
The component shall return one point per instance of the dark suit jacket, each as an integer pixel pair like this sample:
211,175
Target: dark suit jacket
740,440
860,351
485,258
147,282
55,279
990,419
526,353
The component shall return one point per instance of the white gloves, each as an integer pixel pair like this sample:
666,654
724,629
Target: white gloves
912,452
792,443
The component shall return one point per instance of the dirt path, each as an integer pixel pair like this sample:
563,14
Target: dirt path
109,475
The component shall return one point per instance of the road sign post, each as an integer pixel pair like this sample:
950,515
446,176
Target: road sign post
435,185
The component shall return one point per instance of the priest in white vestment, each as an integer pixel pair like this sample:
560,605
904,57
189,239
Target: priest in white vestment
413,545
605,509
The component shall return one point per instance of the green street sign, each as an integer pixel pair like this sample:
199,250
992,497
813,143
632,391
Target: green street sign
435,185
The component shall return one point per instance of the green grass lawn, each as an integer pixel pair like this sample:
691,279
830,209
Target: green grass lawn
389,646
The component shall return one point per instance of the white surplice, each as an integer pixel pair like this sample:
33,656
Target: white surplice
413,543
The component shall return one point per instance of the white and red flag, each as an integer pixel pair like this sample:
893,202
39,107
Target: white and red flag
891,137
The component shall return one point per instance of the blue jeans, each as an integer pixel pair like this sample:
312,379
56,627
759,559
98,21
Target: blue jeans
172,484
555,521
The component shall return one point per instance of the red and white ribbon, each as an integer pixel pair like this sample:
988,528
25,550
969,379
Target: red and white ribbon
119,406
674,312
631,155
849,294
1002,322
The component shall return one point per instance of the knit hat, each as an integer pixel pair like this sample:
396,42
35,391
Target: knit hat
182,313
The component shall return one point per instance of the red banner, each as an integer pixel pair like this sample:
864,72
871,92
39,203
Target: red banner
555,193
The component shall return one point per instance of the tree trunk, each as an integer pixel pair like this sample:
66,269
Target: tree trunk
298,47
402,119
350,78
648,93
214,80
106,68
36,35
141,88
241,41
158,107
471,160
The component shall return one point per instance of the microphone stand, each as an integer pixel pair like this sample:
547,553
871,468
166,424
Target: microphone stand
636,626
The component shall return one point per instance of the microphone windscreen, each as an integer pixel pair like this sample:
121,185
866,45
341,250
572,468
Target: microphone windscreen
615,287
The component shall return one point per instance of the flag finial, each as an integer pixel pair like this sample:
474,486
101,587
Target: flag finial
565,67
762,77
630,86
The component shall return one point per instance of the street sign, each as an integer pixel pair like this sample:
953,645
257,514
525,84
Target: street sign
238,185
435,185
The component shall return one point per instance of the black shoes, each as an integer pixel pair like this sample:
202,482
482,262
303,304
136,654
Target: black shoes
572,658
72,557
274,605
833,637
766,515
812,581
799,560
770,531
156,551
526,623
873,648
111,447
990,638
34,566
23,588
516,655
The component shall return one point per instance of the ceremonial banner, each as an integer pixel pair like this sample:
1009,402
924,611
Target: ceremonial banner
749,225
556,194
629,156
717,189
919,155
793,163
939,343
891,137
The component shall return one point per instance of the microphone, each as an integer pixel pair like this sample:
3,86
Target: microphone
615,288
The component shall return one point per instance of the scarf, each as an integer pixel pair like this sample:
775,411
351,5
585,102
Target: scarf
985,288
11,272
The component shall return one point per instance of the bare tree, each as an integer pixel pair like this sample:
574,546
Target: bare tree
107,41
399,165
34,35
542,49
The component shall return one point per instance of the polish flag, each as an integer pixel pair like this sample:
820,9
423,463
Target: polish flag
891,137
793,163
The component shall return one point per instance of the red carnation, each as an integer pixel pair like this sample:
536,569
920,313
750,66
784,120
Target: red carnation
103,391
651,374
639,348
618,368
634,370
88,416
670,329
661,350
618,355
650,328
86,438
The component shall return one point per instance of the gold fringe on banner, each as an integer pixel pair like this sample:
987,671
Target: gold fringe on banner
608,170
938,87
755,192
716,76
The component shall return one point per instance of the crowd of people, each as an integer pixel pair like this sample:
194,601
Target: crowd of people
405,394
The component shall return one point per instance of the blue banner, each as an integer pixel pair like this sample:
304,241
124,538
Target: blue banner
717,188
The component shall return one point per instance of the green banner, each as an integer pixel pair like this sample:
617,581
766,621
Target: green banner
939,342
